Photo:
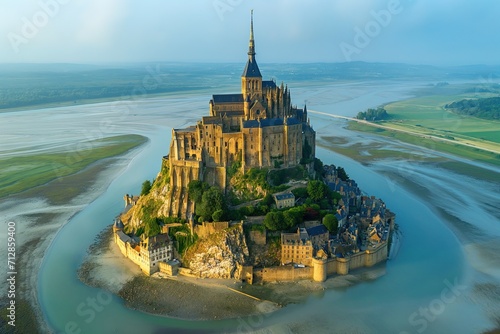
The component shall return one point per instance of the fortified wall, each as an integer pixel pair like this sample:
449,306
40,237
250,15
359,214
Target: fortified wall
320,269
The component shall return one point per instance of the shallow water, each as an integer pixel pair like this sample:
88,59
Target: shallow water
427,286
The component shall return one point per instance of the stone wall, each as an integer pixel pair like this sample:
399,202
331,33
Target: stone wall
282,273
206,228
321,269
258,237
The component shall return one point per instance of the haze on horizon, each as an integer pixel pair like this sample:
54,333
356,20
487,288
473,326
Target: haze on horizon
444,32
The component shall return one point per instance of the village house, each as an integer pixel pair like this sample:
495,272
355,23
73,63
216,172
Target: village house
147,253
284,200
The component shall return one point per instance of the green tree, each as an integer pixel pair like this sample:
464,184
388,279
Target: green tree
300,192
275,221
341,173
336,197
331,223
146,187
211,201
196,188
324,203
293,216
218,215
151,227
316,190
306,152
267,200
318,166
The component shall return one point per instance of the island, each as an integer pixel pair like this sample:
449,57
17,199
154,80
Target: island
242,196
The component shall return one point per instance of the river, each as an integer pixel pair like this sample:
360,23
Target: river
426,287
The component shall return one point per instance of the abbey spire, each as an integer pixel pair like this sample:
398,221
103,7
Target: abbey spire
251,79
251,44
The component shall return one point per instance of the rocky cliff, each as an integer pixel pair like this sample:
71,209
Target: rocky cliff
156,204
218,255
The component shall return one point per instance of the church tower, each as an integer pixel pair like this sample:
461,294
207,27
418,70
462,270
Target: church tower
251,79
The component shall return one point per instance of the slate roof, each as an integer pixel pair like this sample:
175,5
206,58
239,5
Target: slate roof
233,113
251,69
159,240
292,121
317,230
123,237
228,98
263,123
188,129
118,223
281,197
211,120
268,84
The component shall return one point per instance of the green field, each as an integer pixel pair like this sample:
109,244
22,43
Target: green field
423,121
427,115
25,172
459,150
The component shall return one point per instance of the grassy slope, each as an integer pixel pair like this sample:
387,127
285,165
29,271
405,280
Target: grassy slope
25,172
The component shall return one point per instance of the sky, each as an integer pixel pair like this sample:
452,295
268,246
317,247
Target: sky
434,32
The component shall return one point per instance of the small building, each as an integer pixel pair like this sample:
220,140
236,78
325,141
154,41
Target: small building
318,235
130,200
154,250
296,248
284,200
146,253
171,268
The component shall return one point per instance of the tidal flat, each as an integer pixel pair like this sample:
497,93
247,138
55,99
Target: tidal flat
414,278
20,173
43,205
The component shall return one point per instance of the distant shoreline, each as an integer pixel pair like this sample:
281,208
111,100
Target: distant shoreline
118,98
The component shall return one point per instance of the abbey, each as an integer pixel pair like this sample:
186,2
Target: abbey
256,128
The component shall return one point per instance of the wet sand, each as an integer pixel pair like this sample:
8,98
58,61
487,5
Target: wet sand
199,299
178,297
39,213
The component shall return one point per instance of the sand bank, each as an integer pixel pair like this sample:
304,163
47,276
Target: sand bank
38,216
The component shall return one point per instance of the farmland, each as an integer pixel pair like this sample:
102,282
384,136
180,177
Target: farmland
424,121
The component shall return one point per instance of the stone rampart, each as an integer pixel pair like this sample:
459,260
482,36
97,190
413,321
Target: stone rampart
282,273
320,269
206,228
